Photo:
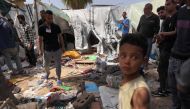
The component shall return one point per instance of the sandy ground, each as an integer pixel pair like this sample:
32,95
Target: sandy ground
152,77
71,76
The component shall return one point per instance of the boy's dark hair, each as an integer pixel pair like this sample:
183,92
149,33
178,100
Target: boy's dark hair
42,11
49,12
21,17
160,8
136,39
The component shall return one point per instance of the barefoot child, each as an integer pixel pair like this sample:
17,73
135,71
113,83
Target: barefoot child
134,92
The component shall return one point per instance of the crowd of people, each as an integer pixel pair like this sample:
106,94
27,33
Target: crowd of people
171,36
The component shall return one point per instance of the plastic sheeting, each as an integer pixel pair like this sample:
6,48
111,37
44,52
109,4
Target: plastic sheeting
79,19
102,21
109,97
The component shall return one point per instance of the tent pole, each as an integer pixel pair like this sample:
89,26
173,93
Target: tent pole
36,14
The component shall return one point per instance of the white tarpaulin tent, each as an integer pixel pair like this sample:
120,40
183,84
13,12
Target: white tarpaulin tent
102,20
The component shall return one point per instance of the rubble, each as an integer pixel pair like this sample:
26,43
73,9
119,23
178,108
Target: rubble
34,89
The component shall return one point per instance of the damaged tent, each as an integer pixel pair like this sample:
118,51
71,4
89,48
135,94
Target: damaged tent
102,21
99,21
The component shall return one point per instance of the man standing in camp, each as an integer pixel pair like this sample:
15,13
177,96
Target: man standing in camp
51,45
180,53
149,25
8,46
167,38
7,43
42,20
124,24
27,40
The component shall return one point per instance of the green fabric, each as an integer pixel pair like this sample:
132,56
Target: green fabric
66,88
92,58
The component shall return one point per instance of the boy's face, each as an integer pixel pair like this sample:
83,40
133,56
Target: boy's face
130,59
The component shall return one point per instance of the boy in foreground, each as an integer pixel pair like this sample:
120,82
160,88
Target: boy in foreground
134,92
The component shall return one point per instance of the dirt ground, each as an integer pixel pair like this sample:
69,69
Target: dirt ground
152,77
72,77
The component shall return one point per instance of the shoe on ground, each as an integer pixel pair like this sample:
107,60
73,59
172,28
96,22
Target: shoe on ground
59,83
160,94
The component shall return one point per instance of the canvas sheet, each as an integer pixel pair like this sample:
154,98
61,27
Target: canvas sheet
109,97
102,20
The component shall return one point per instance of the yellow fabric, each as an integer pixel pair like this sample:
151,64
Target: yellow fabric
19,3
72,54
126,92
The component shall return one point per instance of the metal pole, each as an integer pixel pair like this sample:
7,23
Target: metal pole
36,19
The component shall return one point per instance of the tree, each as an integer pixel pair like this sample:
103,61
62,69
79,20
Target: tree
77,4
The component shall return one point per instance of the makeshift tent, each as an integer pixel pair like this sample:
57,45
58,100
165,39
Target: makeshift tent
19,3
102,20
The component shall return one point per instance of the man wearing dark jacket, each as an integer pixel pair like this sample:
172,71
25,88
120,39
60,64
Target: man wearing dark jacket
167,38
180,52
6,42
149,25
8,46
